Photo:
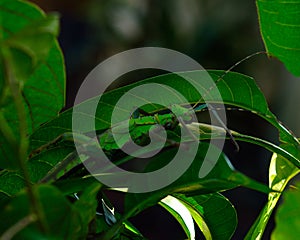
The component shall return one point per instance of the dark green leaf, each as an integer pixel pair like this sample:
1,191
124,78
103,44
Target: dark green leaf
280,29
31,58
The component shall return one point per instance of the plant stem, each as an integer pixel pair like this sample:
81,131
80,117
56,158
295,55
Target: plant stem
23,143
21,224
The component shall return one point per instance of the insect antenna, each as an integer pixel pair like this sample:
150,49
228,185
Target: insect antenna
226,72
210,108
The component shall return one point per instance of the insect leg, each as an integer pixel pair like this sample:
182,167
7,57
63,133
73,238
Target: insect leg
182,123
214,112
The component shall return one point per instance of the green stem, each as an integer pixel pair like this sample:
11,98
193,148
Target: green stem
214,132
17,227
269,146
14,87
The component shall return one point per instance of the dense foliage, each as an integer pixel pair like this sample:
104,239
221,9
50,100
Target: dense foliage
45,192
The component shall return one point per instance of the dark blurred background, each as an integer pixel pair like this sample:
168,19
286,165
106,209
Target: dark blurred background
215,33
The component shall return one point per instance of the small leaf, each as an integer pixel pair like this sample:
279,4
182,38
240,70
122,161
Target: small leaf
132,231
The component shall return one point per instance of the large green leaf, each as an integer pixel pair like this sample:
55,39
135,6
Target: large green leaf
32,64
61,219
280,29
280,173
236,89
287,216
213,213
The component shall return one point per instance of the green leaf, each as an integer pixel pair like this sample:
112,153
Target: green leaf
231,87
281,172
180,213
280,29
131,231
287,216
31,60
30,46
27,31
236,89
213,213
62,220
